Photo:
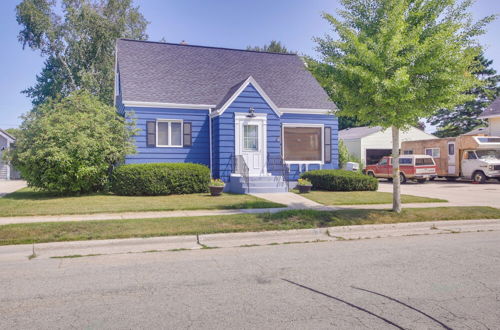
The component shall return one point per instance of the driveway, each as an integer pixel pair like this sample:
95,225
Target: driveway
465,193
8,186
417,282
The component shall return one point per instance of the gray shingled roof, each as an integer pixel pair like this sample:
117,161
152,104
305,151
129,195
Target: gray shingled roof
186,74
492,110
358,132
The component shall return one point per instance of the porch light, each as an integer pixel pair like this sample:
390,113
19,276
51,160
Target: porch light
251,112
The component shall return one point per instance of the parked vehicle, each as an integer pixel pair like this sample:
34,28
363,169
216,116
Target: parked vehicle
469,157
412,167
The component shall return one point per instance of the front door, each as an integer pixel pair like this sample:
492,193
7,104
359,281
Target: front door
251,143
451,158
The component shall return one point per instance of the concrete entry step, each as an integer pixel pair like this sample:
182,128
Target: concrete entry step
261,184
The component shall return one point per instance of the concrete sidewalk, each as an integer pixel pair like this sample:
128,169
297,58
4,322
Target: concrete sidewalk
228,240
199,213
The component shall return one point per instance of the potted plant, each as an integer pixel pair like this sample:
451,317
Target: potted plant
216,187
304,186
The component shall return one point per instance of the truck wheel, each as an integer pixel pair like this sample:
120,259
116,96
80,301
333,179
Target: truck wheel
371,174
479,177
402,178
421,180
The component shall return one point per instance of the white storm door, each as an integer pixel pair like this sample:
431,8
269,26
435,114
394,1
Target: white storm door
451,157
251,144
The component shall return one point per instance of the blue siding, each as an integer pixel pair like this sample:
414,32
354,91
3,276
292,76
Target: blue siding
224,130
198,153
223,134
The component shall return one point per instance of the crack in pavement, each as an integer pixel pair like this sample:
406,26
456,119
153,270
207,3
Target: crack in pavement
347,303
406,305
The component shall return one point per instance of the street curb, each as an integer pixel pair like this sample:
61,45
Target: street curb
245,239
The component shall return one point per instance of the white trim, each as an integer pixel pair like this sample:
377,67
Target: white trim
243,115
259,89
209,143
307,111
168,105
116,73
239,121
170,121
306,162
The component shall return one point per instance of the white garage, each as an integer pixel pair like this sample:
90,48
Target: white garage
369,144
6,140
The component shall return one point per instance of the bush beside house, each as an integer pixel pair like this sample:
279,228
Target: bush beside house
160,179
69,145
340,180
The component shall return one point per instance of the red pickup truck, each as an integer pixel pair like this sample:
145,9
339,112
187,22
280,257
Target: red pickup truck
412,167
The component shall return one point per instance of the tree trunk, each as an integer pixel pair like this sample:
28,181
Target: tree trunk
396,184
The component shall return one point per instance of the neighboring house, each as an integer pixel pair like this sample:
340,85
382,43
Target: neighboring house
370,144
492,114
254,118
6,140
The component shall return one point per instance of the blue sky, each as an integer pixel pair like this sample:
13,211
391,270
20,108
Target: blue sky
225,23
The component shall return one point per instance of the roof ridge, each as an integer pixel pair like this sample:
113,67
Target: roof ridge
210,47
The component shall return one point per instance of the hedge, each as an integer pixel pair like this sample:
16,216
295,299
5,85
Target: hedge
159,179
340,180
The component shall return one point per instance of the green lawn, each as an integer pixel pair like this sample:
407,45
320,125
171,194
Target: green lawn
27,202
290,219
363,197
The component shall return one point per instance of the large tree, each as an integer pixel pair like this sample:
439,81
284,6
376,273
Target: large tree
464,117
395,61
78,44
273,47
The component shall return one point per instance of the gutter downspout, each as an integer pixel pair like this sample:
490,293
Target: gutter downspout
210,139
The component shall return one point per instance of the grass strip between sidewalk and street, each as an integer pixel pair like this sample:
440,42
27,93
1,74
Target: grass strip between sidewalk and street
363,197
285,220
28,202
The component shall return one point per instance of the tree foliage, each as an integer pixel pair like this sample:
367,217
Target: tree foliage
78,45
69,145
273,47
396,61
464,117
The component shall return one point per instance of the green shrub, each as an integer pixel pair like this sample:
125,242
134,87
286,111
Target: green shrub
340,180
160,179
69,145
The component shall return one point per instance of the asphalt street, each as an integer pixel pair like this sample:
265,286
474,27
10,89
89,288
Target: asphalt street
448,281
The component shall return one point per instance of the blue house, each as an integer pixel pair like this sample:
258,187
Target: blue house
256,119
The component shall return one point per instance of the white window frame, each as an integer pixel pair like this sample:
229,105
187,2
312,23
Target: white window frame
432,153
170,121
306,162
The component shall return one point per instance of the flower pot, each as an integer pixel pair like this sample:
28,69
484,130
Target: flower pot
216,190
304,189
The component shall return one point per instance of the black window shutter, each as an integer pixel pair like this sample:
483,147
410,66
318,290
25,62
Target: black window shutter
187,134
328,144
151,134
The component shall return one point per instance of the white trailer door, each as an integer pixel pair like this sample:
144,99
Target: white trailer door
451,157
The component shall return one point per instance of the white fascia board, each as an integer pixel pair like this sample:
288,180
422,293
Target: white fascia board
306,111
259,89
168,105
